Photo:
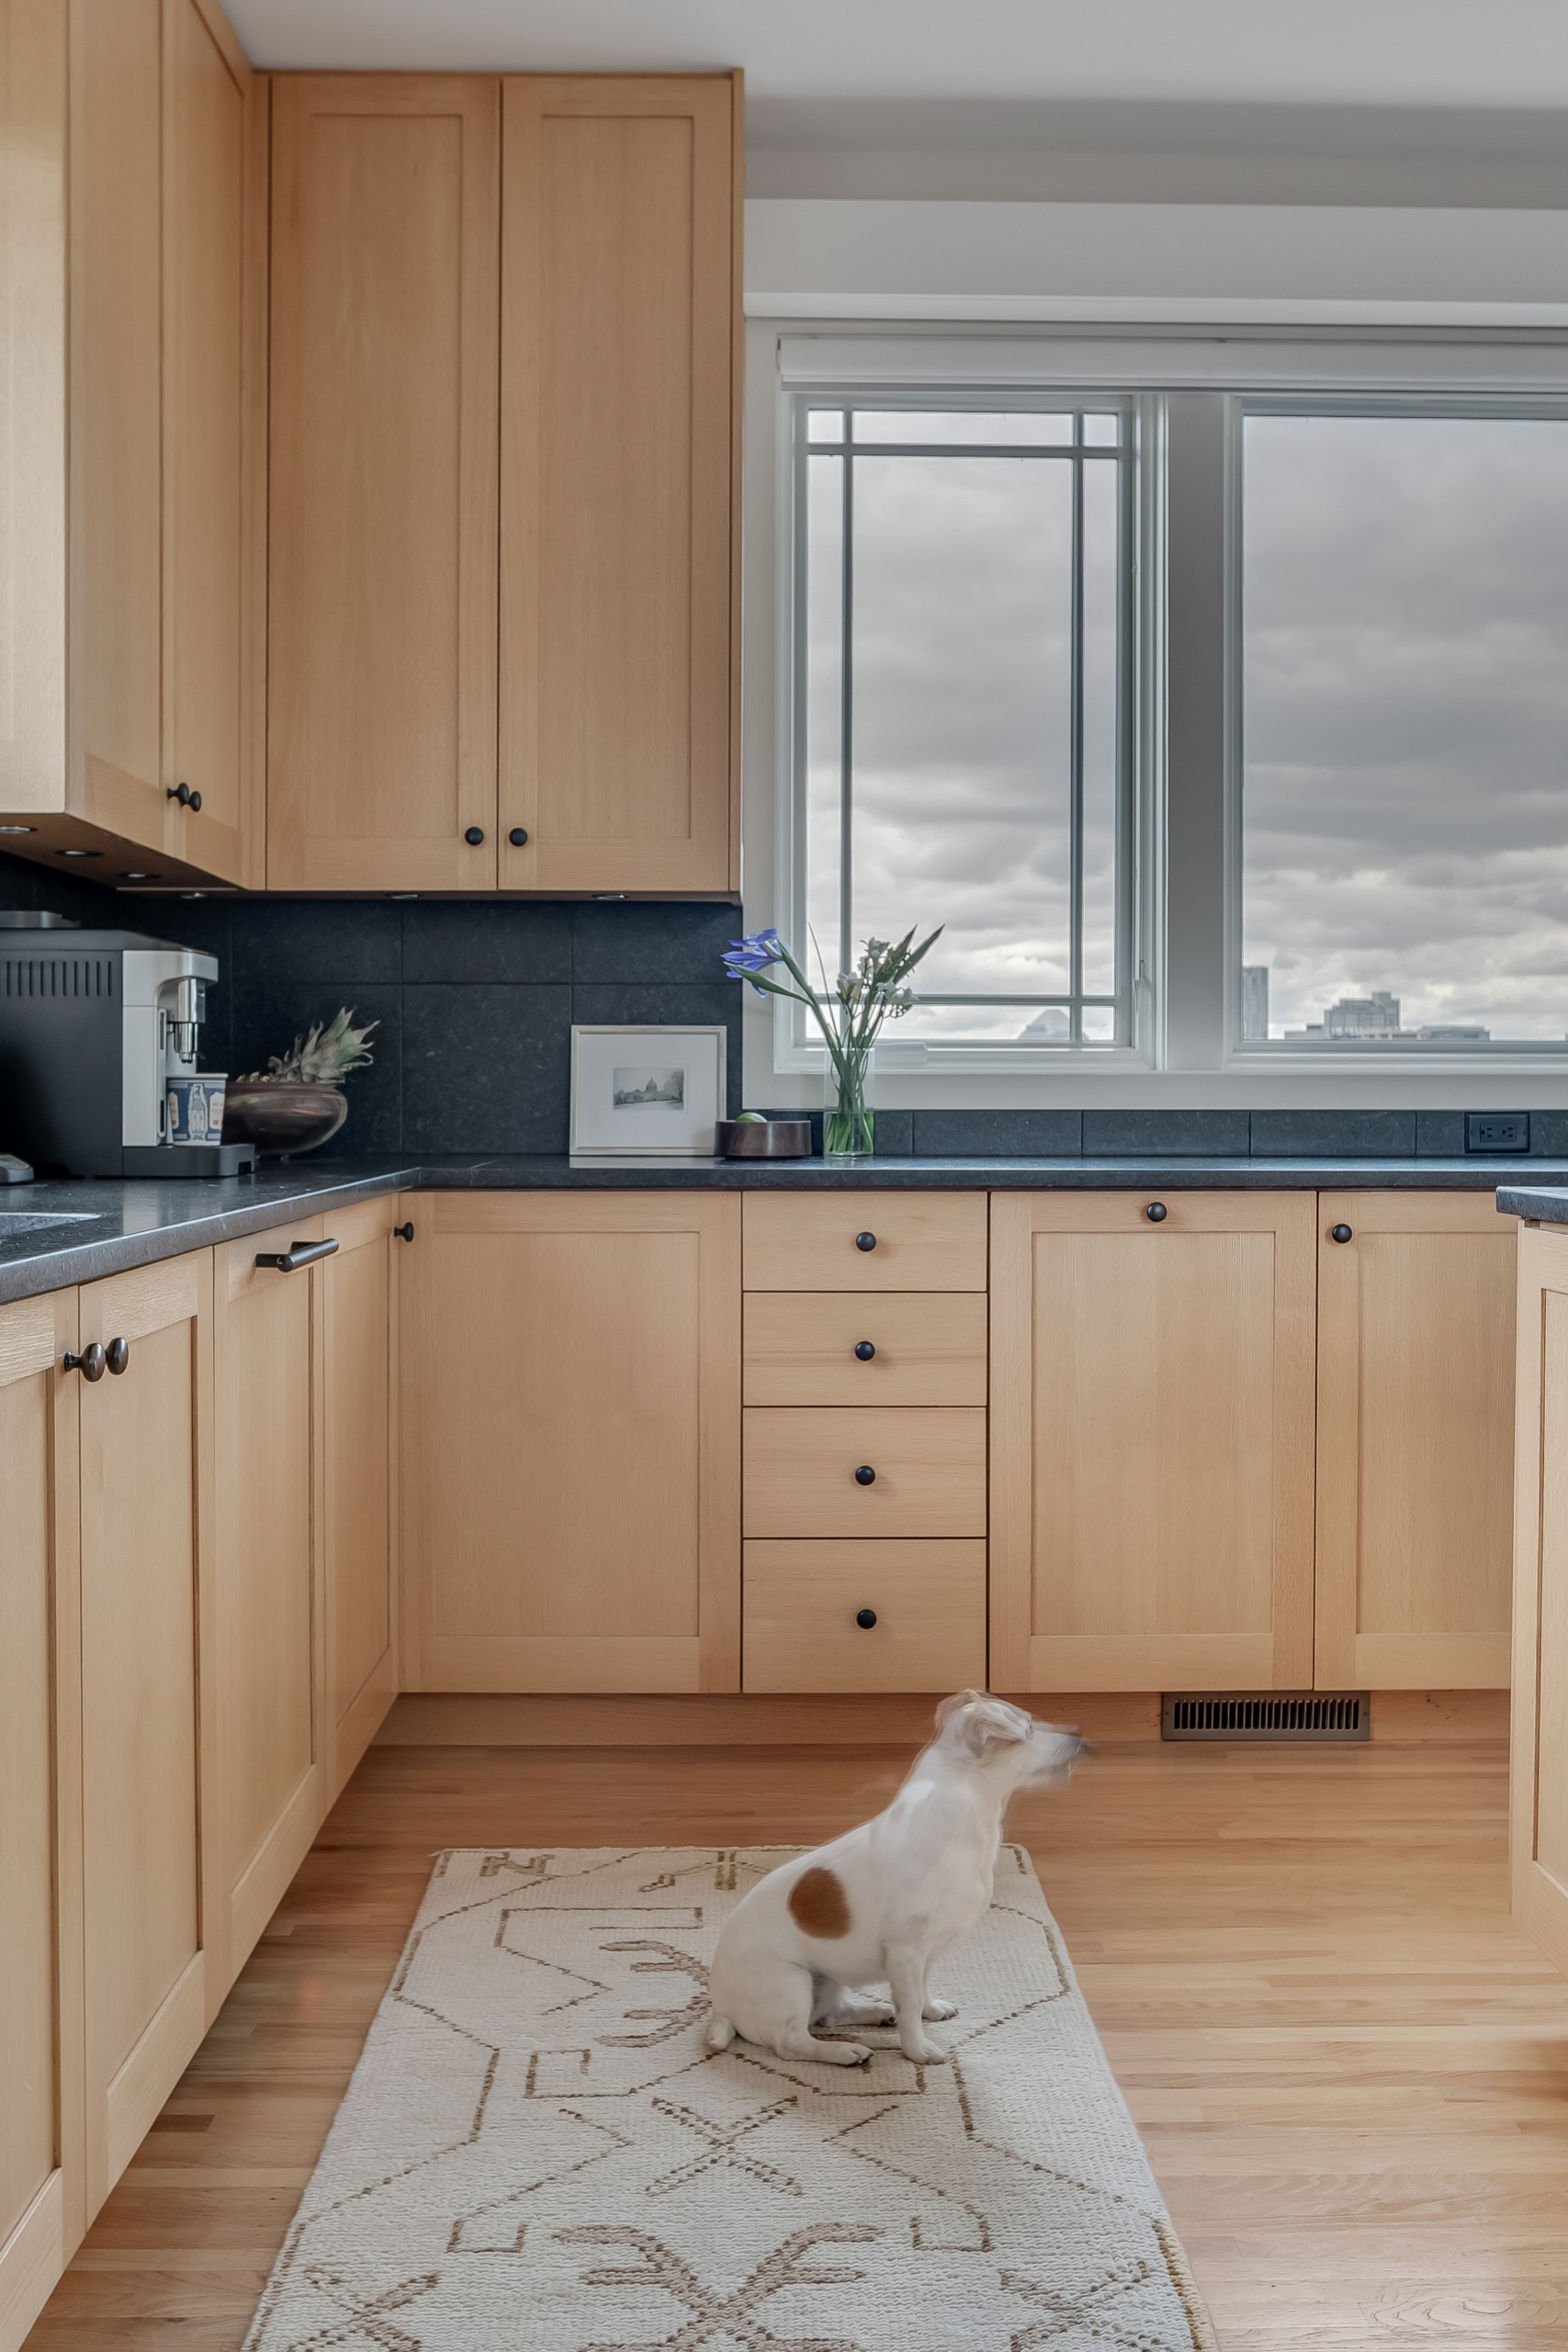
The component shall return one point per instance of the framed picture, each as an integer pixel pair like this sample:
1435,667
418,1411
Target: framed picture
637,1092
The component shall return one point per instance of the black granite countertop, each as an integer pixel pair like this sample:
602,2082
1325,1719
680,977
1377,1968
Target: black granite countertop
1547,1202
85,1230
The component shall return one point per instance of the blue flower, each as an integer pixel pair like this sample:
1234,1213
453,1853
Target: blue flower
754,952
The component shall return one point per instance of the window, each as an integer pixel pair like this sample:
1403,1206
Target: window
963,576
1211,693
1405,731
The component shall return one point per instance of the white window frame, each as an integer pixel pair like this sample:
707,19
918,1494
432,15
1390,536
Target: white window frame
1188,391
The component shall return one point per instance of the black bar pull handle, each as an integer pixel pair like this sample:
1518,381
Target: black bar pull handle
298,1254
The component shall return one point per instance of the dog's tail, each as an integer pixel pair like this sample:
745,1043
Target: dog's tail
720,2032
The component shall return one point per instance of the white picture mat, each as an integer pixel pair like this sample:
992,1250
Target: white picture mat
600,1128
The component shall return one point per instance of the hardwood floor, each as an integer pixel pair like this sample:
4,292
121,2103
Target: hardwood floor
1350,2074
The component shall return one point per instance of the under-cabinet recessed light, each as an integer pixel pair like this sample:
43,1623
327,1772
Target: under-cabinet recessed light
78,852
140,878
193,894
18,828
399,897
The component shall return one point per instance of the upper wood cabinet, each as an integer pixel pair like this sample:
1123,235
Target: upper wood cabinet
381,594
619,311
1151,1440
1415,1441
571,1379
503,643
133,435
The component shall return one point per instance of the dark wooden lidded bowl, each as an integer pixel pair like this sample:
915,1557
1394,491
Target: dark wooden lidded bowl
763,1139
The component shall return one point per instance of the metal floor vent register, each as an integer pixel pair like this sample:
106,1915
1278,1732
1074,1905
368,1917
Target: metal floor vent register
1266,1715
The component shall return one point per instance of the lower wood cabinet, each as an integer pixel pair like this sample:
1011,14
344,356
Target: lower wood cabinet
147,1662
268,1585
1415,1313
42,2209
571,1454
1538,1807
866,1616
1152,1442
357,1292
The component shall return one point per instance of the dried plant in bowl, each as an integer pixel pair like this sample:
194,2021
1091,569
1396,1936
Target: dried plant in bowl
298,1103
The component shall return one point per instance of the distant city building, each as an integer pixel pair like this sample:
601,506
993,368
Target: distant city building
1254,1003
1451,1033
1363,1016
1049,1027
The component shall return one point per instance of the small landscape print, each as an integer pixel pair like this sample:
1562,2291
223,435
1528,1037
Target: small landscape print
630,1089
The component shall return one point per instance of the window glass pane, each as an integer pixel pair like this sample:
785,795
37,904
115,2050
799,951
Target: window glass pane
825,424
979,427
1102,432
1099,729
824,674
963,625
1406,729
983,1024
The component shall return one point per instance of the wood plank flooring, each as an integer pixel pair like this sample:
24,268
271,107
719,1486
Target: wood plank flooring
1350,2074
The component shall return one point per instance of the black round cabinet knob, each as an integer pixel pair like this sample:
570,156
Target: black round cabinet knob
117,1355
865,1241
518,837
1339,1233
865,1619
474,836
865,1350
865,1476
90,1364
1156,1212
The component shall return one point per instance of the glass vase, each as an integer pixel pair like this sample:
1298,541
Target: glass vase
848,1121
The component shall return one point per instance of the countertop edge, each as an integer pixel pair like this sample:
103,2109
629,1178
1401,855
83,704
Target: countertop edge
30,1273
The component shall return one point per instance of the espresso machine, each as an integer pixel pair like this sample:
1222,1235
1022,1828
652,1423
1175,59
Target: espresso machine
93,1026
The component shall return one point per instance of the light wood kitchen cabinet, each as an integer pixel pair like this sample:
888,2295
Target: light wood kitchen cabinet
381,683
1538,1797
152,1981
1152,1441
134,283
620,433
866,1616
359,1291
570,1382
1415,1441
268,1588
42,2212
508,416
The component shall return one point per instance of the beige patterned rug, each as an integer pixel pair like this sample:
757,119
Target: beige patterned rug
536,2151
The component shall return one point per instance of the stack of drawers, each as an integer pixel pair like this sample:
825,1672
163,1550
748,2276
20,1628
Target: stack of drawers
864,1495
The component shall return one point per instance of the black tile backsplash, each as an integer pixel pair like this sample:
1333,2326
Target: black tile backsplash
475,1001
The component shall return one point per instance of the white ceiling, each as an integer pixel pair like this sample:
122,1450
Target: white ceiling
1447,53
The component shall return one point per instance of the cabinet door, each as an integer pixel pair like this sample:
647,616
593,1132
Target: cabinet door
1538,1762
41,2214
619,430
1415,1441
212,288
382,590
1151,1440
149,1993
571,1439
359,1379
116,342
271,1776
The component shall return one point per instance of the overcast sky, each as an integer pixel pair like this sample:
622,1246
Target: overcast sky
1405,719
963,586
1406,597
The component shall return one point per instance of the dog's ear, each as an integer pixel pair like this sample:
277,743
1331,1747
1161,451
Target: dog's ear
946,1707
985,1723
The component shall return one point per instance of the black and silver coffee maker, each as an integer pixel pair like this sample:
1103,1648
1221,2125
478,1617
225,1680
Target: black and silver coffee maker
93,1024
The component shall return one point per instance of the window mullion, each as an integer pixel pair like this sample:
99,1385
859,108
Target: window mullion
1075,750
847,708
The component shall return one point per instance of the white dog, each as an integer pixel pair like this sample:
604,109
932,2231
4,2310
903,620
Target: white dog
882,1905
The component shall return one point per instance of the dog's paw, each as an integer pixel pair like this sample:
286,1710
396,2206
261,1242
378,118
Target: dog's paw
940,2011
860,2012
925,2054
842,2053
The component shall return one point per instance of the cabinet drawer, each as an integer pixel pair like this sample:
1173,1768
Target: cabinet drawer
929,1348
802,1601
800,1467
921,1241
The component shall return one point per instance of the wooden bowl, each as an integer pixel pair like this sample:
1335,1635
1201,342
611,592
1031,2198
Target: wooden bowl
282,1115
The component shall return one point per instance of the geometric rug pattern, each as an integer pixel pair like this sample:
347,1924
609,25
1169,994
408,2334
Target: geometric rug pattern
536,2149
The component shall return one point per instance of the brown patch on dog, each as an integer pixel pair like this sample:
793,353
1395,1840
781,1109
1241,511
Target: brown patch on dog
818,1906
